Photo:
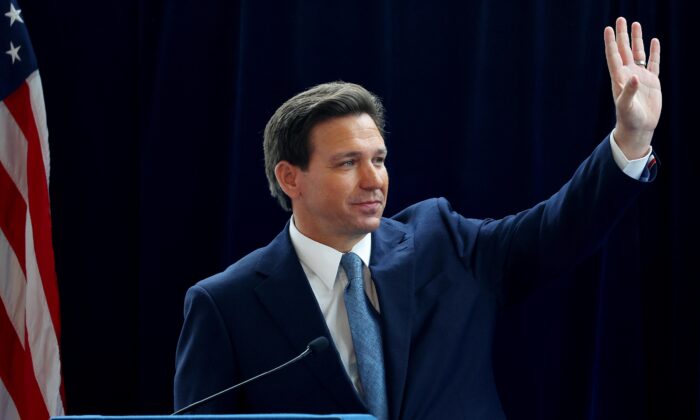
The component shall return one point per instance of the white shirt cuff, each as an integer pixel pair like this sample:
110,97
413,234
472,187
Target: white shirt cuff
632,168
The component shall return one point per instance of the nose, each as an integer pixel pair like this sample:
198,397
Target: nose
372,177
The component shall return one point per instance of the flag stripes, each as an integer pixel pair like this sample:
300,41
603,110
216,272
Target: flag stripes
20,107
8,406
12,215
17,374
29,324
30,369
30,374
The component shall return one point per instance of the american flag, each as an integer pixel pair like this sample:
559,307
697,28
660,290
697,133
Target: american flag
30,369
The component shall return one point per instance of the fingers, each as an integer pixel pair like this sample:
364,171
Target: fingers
612,56
625,99
654,56
638,44
618,52
623,41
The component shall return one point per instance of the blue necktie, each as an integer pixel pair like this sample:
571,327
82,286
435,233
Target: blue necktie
366,337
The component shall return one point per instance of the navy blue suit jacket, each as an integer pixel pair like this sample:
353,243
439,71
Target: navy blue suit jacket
440,279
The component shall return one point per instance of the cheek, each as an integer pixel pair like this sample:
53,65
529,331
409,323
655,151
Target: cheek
329,192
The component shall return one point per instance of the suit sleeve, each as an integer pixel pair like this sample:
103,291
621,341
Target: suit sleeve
204,358
552,237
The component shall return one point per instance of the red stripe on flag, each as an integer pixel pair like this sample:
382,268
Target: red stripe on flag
13,215
17,373
19,105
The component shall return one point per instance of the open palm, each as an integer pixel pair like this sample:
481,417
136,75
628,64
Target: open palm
635,86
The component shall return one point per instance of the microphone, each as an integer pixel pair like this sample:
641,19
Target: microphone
316,345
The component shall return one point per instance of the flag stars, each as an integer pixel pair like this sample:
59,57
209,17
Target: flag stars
13,14
14,52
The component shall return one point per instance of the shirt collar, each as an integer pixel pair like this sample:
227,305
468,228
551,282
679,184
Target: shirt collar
322,259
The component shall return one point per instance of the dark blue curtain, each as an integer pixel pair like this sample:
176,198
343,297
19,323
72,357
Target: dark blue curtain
156,110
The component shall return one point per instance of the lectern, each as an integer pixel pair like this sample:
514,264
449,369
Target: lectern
226,417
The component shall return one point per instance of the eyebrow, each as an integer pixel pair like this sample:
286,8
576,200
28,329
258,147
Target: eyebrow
344,155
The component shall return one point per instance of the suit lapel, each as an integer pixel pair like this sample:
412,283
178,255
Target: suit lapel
288,298
392,266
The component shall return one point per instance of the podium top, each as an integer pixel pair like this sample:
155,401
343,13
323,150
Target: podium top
226,417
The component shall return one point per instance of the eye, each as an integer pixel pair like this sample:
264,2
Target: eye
347,164
379,160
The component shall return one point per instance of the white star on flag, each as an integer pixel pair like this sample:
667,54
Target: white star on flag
14,52
13,14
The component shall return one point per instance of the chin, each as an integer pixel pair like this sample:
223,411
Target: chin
370,225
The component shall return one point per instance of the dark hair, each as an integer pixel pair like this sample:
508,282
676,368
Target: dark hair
287,133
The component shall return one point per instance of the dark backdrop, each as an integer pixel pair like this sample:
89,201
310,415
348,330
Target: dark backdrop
156,110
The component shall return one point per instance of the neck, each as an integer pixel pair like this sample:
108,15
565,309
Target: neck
341,243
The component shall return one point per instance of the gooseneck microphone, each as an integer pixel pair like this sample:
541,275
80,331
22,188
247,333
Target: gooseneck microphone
316,345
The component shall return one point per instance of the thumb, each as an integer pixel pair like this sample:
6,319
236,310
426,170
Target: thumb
625,99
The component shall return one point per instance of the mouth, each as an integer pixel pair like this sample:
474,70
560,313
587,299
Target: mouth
369,207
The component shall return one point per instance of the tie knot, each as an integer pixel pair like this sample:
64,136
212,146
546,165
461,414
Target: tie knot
352,264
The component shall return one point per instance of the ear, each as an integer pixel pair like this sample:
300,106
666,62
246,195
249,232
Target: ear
288,176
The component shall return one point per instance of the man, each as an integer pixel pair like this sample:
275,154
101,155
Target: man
408,302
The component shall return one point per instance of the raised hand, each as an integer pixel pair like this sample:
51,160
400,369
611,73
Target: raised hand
635,86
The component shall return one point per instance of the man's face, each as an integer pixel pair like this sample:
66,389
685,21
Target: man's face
343,192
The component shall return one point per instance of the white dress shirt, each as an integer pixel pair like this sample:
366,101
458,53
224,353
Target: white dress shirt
321,265
632,168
